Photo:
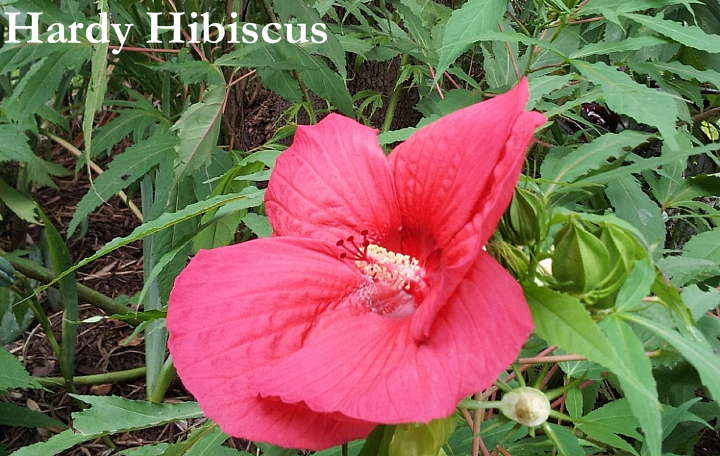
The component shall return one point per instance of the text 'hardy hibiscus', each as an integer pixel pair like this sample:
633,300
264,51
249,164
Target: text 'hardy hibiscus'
374,301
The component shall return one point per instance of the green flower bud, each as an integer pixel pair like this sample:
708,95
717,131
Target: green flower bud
527,406
581,262
7,273
525,222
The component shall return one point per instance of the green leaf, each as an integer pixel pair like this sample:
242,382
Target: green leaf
636,286
560,165
700,302
110,415
421,439
473,18
686,72
689,35
564,440
38,85
96,86
625,96
125,169
298,12
258,224
641,393
13,415
60,259
14,147
544,85
629,44
13,374
606,422
563,321
166,220
634,206
705,245
198,129
692,345
21,205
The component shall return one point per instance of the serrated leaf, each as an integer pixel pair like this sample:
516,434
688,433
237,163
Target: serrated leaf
97,85
565,441
642,392
13,374
604,48
636,286
692,345
563,165
298,12
689,35
14,147
704,245
421,439
125,169
109,415
625,96
544,85
13,415
563,321
20,204
634,206
473,18
700,302
198,129
164,221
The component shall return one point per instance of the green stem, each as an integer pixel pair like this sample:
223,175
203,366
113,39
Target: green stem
394,98
96,379
472,404
44,321
306,95
86,294
166,376
344,450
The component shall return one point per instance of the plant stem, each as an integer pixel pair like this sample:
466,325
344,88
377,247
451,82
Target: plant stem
86,294
44,321
96,379
306,95
162,382
472,404
344,450
394,98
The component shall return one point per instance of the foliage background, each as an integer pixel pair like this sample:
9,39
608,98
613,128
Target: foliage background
173,145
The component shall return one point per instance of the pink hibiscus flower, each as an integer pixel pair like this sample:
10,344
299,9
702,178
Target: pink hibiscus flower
374,302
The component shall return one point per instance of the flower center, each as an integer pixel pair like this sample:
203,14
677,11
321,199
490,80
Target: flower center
395,282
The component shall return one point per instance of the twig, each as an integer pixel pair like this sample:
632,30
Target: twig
564,358
707,114
76,152
437,85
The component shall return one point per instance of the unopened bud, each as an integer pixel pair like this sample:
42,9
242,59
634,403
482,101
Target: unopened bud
581,261
525,222
527,406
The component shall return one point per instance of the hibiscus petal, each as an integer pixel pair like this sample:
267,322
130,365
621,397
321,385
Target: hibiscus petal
370,368
236,308
334,181
448,171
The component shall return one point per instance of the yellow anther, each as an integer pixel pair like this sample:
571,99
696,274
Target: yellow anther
393,269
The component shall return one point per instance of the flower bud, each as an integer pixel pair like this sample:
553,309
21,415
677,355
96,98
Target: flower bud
527,406
581,262
525,222
7,273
